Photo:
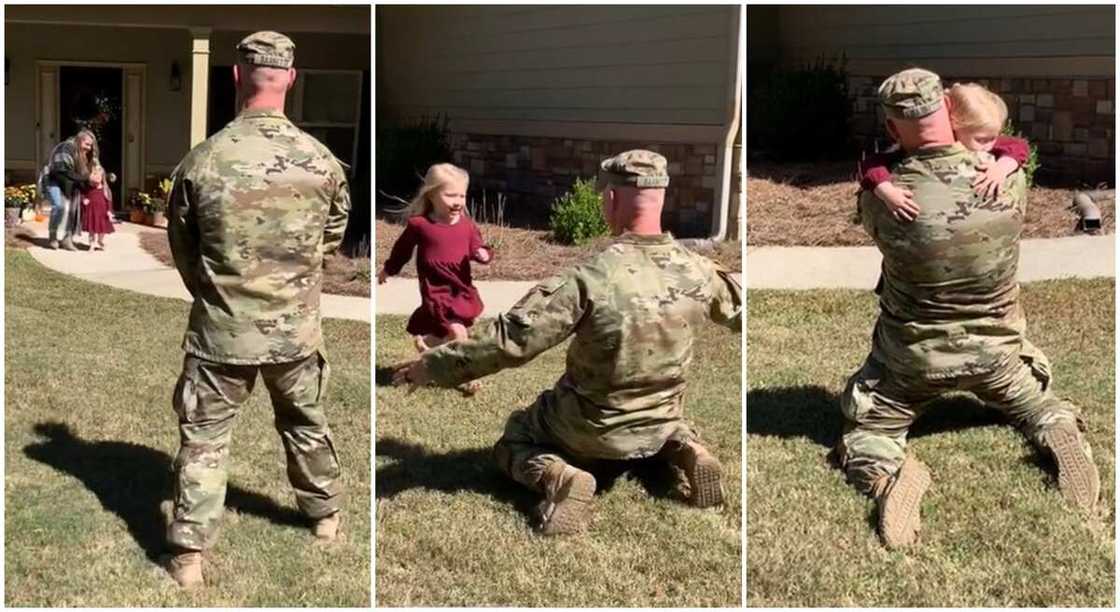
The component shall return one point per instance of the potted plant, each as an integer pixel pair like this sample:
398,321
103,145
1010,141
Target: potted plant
141,203
16,198
159,205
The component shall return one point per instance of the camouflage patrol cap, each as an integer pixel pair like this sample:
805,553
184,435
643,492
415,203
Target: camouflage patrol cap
911,94
637,168
267,48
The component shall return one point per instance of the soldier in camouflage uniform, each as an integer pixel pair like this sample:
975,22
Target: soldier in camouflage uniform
633,310
252,212
950,318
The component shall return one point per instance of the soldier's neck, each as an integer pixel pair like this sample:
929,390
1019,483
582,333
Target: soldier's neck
264,101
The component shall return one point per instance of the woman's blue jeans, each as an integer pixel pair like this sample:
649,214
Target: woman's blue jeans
60,209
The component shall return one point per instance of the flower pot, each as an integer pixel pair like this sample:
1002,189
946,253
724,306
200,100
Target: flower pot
11,216
159,219
136,215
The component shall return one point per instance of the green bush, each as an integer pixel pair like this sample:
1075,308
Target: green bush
577,216
1032,164
801,114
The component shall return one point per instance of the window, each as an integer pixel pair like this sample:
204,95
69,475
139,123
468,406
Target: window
327,105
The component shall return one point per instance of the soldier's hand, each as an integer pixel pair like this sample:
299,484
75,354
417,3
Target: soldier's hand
414,374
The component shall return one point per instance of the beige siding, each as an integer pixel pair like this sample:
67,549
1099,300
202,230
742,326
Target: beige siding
166,129
167,112
663,65
992,41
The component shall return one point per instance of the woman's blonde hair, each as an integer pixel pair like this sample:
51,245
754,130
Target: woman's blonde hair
83,161
438,176
975,107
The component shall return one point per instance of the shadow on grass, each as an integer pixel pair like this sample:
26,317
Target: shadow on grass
474,470
131,480
383,375
813,412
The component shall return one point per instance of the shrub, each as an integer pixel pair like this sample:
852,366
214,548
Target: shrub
577,215
800,115
1032,164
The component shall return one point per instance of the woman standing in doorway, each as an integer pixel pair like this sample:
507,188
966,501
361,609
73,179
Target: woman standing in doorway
66,172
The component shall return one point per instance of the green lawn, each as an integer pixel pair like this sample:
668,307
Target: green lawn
995,532
453,531
90,437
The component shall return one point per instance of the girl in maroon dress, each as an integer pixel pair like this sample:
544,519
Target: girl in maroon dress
446,241
97,209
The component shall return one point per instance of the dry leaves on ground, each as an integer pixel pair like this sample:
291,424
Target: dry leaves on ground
814,205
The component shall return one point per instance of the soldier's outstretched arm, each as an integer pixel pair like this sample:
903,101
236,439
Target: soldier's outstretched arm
337,215
545,317
182,232
727,300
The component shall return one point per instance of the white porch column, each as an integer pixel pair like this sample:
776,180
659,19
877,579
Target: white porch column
200,82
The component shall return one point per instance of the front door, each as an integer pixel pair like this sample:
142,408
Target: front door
106,99
90,98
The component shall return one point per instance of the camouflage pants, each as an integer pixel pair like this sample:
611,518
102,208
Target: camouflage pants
528,447
879,407
207,399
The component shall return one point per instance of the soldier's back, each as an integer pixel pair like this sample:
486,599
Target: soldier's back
648,294
260,191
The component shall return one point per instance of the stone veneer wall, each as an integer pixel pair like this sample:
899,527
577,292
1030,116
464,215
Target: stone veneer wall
531,172
1071,121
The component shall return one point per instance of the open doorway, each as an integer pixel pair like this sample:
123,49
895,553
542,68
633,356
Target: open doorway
90,97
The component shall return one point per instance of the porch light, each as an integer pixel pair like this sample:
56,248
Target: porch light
176,77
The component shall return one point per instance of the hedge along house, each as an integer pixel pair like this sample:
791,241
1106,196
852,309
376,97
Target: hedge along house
153,81
1054,66
535,97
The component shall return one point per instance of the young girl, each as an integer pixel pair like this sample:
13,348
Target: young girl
97,209
447,241
977,116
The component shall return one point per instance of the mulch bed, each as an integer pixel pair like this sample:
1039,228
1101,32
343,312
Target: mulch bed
814,205
341,275
528,255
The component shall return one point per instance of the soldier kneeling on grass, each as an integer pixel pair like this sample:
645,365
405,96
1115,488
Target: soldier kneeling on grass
633,310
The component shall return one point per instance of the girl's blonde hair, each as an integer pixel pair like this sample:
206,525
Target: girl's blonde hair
438,176
975,107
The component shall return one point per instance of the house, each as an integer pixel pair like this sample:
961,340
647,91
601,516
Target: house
1053,65
153,81
535,96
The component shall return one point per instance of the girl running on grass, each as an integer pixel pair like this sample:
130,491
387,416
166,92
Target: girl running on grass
446,241
978,116
97,209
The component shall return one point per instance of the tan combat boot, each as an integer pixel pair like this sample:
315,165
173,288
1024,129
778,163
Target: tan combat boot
899,500
702,470
52,245
68,244
1078,479
326,528
186,569
568,493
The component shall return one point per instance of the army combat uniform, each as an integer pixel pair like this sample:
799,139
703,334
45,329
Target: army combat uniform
950,316
252,212
633,311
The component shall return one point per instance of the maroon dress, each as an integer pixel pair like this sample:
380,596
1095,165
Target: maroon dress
95,215
443,265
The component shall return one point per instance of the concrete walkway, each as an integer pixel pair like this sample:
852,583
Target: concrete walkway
125,265
858,267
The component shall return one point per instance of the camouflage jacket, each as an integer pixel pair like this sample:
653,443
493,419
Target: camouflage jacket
950,300
252,212
633,310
